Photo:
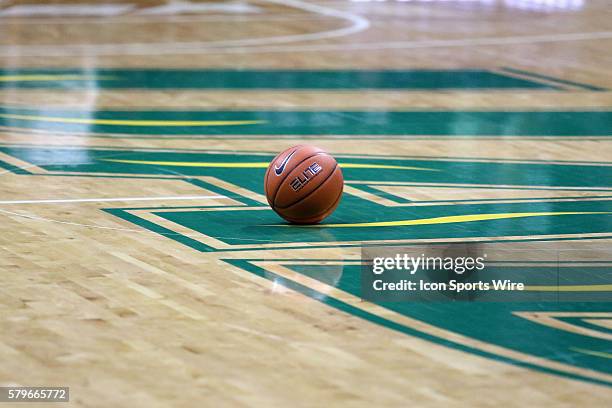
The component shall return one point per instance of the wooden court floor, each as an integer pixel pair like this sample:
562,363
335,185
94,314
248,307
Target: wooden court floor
142,267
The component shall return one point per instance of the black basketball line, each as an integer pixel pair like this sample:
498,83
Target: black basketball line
312,192
266,179
289,172
299,221
298,147
335,201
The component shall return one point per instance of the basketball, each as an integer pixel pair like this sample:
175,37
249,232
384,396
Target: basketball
303,184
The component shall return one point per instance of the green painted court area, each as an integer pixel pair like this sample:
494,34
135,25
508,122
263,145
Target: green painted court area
415,79
247,168
354,216
214,123
493,322
576,213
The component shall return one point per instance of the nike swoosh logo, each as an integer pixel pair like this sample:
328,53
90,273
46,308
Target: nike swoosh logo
279,169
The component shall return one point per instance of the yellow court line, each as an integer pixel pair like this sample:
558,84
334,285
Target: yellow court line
118,122
256,165
251,165
446,220
382,166
49,78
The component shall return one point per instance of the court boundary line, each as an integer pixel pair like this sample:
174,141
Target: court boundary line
535,76
204,48
374,46
108,200
135,216
340,155
168,18
357,24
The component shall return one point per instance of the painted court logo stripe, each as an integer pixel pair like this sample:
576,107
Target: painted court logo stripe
445,220
260,165
53,77
119,122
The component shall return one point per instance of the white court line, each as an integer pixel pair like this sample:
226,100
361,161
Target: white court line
358,23
56,10
152,19
110,200
201,48
462,42
139,231
76,224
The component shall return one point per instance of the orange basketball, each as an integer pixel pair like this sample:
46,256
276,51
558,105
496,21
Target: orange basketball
303,184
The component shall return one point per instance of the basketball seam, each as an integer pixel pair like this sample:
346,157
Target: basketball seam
287,175
297,220
312,192
266,179
298,147
336,200
267,176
